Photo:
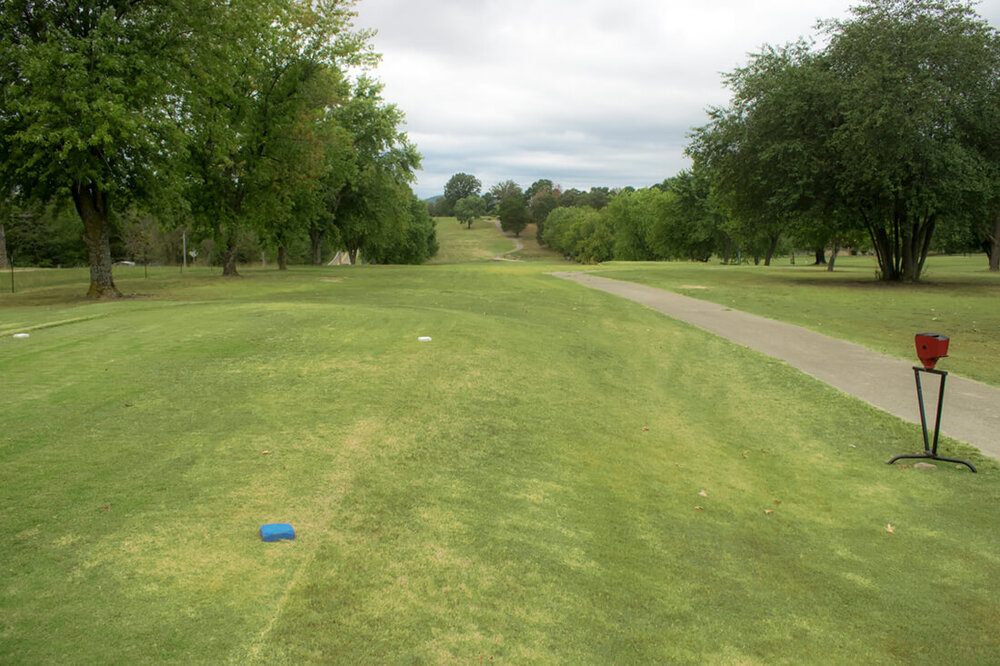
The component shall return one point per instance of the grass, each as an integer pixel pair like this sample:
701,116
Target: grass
460,244
481,242
958,298
545,482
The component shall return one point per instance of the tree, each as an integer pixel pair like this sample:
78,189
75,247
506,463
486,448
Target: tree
138,235
6,212
89,104
318,207
579,233
414,243
459,186
690,226
330,154
598,197
767,152
882,130
543,197
264,95
371,202
46,235
986,130
632,217
512,209
513,215
491,202
505,190
542,185
470,209
991,242
914,79
573,197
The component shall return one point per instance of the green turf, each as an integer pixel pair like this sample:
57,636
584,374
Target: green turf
463,244
958,297
547,481
482,242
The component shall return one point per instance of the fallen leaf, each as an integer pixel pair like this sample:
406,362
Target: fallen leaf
128,404
703,494
266,453
768,512
645,429
777,501
890,529
746,454
699,508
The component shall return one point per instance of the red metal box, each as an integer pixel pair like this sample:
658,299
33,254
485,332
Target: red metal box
931,347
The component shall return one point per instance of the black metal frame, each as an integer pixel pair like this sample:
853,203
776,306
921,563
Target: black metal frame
930,451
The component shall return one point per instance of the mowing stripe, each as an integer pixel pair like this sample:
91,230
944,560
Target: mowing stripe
972,415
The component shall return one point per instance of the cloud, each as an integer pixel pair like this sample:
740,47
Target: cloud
583,92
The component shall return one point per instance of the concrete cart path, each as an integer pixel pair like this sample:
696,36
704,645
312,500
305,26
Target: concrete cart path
971,409
518,244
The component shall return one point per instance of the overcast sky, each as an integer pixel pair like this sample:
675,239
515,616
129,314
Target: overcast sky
583,92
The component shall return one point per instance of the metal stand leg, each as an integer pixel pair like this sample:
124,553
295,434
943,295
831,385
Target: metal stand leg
930,451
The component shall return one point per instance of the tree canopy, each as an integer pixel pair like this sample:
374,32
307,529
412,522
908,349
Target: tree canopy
458,187
245,118
469,209
880,130
89,104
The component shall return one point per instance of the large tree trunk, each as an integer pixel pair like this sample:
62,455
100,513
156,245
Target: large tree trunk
231,252
282,258
820,256
3,248
916,242
993,249
902,248
229,263
833,257
316,235
772,247
92,205
883,253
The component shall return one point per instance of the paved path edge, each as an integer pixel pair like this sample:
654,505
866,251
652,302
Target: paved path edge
971,409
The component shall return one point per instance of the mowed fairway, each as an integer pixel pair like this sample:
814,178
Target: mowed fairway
559,476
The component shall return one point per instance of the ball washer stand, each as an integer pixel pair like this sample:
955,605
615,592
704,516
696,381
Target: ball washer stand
931,347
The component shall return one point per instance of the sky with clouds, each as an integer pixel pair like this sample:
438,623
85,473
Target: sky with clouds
583,92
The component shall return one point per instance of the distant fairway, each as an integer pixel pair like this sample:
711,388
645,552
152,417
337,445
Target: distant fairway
559,476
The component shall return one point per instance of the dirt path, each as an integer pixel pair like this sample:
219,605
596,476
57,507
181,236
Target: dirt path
518,244
971,409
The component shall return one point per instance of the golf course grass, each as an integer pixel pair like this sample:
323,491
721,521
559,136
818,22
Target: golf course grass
558,476
957,297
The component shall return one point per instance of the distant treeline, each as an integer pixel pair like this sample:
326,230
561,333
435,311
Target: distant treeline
886,137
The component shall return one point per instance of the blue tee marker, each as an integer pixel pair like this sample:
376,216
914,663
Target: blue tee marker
276,532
